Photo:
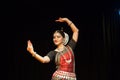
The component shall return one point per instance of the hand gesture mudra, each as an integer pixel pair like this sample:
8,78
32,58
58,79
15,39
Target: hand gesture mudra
61,19
30,47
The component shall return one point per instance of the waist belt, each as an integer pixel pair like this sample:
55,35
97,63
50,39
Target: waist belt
58,75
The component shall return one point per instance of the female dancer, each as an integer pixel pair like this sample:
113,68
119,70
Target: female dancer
63,53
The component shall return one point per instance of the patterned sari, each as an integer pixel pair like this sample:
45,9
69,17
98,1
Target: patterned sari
65,65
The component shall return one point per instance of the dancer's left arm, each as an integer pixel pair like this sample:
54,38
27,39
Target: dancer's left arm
73,27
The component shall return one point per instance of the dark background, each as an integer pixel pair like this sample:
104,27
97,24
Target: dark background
97,50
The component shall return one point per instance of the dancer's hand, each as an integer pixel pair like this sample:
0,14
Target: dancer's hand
30,47
62,19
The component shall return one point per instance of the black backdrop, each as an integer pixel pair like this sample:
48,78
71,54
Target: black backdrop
96,52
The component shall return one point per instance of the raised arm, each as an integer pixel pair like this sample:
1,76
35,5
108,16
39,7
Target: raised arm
74,29
30,49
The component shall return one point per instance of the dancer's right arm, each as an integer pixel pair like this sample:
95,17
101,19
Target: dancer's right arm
30,49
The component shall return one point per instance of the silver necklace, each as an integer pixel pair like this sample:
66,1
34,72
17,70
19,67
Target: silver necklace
70,60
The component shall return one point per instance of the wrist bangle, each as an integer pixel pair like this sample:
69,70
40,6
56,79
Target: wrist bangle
33,55
69,23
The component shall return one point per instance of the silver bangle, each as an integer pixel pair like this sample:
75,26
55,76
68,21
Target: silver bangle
70,23
34,54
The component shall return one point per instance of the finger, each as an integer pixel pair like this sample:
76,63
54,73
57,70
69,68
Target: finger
59,17
28,41
57,20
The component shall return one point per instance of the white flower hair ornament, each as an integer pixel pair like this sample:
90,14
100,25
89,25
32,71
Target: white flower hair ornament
66,39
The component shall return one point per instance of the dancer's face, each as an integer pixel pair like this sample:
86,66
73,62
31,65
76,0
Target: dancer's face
57,38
